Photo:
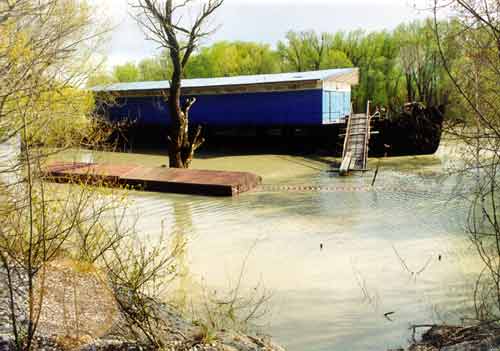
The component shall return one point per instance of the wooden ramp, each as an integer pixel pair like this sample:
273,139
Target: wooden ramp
158,179
356,141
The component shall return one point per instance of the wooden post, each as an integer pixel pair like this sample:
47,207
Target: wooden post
367,136
347,133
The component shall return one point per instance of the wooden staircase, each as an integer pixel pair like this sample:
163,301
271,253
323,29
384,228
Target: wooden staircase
356,143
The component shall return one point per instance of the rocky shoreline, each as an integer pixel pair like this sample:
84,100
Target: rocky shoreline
179,334
226,341
481,337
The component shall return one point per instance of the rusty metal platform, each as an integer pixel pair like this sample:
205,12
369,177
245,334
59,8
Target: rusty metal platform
166,180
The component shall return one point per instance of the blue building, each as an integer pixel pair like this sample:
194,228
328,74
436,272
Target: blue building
275,100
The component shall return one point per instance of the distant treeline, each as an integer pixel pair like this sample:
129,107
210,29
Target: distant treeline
403,65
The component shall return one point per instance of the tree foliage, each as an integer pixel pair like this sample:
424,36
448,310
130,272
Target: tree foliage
308,51
45,56
224,59
396,66
475,78
126,73
42,62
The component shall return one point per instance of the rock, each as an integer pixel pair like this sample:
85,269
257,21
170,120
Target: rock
6,343
178,328
454,338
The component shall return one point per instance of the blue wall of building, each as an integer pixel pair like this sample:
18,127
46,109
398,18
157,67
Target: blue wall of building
254,109
336,105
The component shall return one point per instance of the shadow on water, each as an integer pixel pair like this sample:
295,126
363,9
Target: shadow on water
320,252
238,147
241,141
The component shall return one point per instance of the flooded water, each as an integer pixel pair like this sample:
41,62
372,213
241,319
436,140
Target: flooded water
335,256
10,150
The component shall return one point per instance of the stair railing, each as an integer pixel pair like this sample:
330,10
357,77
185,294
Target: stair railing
367,135
348,132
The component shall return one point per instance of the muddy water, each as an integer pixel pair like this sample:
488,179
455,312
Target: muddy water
398,249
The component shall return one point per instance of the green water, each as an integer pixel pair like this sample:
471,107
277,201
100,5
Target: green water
334,298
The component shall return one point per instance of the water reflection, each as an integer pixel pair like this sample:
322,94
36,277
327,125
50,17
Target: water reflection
180,232
335,298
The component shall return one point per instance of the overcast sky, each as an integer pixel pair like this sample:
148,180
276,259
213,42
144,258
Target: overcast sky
264,21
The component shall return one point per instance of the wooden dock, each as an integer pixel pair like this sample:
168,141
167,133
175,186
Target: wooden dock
166,180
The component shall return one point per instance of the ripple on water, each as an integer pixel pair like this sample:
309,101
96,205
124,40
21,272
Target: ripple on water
320,296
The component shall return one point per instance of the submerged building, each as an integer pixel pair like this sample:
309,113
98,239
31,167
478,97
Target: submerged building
285,100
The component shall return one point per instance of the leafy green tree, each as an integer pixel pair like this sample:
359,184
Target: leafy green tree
425,78
100,77
335,59
127,72
302,51
396,66
156,68
256,58
225,59
376,56
308,51
350,44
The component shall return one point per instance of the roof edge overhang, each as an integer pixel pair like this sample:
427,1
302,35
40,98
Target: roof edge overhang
223,89
214,86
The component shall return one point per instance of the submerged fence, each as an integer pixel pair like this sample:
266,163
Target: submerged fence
416,189
274,188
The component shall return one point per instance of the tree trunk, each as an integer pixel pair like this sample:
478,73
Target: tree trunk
410,95
182,142
158,18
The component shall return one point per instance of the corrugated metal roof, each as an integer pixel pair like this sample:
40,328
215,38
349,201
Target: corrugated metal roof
228,81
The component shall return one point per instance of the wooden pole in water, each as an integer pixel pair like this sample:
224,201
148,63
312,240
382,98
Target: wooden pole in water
376,173
378,165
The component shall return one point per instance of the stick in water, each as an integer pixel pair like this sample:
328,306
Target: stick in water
376,173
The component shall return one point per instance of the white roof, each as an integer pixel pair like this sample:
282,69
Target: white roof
330,74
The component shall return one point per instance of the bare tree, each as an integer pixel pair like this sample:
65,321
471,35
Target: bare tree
476,79
164,23
46,49
40,103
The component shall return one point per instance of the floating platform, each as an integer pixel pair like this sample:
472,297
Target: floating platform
165,180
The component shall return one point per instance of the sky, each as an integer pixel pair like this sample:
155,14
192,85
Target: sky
265,21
